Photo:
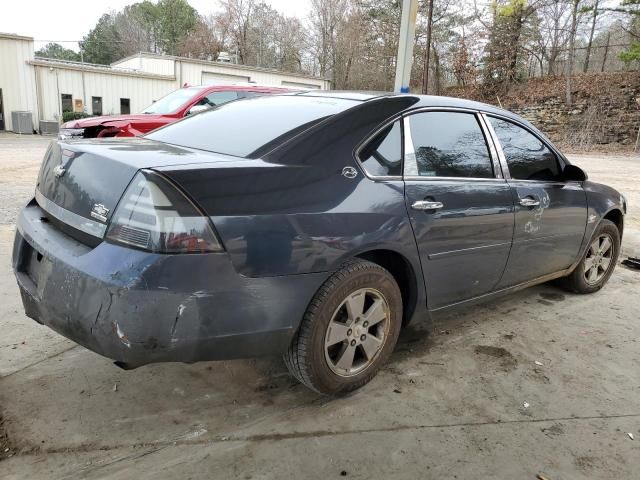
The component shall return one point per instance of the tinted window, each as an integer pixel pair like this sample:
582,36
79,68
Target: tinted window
528,158
382,156
450,144
240,128
218,98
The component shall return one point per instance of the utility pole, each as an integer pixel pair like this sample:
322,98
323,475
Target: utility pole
405,45
427,52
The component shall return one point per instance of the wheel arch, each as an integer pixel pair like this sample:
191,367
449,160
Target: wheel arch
616,216
404,274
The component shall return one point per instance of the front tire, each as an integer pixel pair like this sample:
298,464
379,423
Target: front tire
348,331
598,262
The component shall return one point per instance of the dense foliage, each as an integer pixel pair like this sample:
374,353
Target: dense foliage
57,51
149,27
354,42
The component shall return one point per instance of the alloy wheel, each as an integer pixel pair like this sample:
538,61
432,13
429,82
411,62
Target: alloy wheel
598,259
357,332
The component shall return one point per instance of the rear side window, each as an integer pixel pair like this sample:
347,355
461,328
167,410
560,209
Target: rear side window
450,144
243,127
527,156
382,156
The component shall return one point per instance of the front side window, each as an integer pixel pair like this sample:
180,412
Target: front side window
382,156
528,158
96,105
450,144
218,98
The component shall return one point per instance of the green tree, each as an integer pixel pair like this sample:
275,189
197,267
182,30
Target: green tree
103,43
176,20
139,26
55,50
504,59
632,8
144,26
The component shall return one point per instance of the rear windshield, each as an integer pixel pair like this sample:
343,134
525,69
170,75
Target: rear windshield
246,126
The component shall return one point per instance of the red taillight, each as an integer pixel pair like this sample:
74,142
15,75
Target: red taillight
154,215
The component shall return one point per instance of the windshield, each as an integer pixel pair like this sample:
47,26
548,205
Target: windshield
173,101
245,127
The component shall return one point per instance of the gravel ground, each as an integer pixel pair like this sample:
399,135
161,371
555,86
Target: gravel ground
20,157
467,401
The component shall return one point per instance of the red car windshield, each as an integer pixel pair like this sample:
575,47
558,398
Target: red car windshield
173,101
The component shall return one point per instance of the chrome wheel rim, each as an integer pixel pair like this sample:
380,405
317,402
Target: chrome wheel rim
598,260
357,332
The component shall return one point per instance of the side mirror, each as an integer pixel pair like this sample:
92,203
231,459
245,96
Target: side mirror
571,173
197,109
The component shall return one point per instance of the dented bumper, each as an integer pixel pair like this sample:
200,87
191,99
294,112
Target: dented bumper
137,307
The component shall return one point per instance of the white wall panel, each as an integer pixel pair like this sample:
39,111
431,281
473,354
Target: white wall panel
17,79
36,85
111,87
195,73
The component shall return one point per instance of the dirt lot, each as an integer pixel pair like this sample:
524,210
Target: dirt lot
449,405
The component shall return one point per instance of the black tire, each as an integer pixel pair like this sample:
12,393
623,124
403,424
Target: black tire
577,281
306,358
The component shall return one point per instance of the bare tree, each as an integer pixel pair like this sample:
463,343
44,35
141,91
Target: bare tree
206,41
327,17
238,13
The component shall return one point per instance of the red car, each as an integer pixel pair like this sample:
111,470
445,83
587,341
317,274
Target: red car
176,105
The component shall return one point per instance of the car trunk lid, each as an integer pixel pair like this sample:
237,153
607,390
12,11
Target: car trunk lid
81,182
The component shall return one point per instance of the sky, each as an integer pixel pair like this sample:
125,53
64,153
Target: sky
67,21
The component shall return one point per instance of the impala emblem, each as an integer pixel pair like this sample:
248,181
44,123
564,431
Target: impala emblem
100,212
349,172
58,171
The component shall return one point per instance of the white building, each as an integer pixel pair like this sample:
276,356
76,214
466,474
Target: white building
47,87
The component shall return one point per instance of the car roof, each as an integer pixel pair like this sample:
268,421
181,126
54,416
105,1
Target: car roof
455,102
346,94
423,100
246,87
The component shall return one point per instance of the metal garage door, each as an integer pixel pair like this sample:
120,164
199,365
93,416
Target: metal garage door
210,78
301,85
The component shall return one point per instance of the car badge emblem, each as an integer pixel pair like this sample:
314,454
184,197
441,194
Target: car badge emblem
58,171
349,172
100,212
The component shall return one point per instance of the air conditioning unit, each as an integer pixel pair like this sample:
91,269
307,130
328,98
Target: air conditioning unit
22,122
49,127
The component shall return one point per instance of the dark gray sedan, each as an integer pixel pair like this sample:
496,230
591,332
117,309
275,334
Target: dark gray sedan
311,225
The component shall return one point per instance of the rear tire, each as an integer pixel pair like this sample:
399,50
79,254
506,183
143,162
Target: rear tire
348,331
598,262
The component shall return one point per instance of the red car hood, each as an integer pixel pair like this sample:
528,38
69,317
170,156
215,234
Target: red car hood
117,120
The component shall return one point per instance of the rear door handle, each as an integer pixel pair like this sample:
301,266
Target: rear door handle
529,202
426,205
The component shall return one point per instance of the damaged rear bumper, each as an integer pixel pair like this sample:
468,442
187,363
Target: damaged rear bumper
137,307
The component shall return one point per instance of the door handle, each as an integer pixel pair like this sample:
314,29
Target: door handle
426,205
529,202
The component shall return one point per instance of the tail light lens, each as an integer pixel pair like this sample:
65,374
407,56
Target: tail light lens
154,215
